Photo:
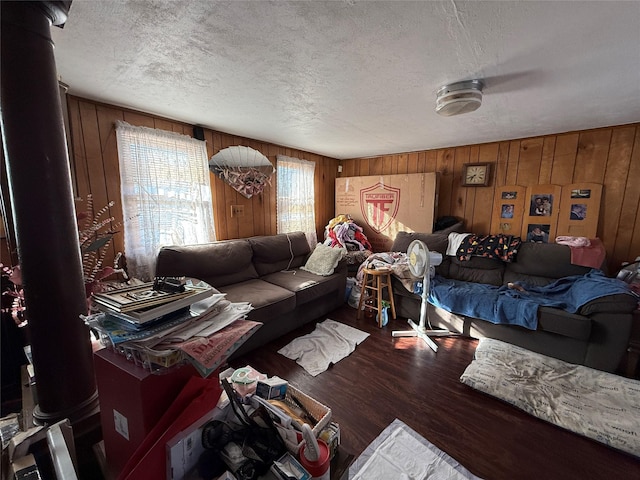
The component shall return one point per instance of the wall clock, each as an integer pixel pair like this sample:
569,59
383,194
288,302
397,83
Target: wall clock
476,174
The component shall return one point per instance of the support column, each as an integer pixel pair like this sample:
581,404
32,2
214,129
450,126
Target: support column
44,213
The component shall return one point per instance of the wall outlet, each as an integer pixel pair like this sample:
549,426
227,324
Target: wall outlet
237,211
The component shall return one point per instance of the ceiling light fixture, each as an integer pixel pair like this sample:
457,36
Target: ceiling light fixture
458,98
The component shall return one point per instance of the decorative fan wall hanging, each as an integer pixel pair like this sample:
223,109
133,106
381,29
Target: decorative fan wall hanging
246,170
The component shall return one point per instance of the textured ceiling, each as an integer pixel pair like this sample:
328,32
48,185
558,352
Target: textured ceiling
358,78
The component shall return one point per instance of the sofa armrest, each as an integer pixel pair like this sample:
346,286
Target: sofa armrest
619,303
608,341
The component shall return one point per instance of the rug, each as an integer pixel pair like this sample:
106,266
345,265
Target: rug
399,452
329,343
599,405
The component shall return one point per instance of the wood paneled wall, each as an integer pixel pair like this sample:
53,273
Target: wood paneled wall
610,156
95,169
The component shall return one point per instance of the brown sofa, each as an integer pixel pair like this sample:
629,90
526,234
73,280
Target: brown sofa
264,271
596,336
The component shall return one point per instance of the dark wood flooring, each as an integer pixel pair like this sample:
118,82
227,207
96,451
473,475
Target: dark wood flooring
387,378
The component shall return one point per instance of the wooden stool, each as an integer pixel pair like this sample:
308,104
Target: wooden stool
375,280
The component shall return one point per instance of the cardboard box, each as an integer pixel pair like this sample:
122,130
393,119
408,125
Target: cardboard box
273,388
25,468
185,448
132,400
384,205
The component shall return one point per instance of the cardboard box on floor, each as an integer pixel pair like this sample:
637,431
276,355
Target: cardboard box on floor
384,205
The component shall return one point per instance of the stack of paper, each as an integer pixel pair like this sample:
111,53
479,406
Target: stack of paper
204,331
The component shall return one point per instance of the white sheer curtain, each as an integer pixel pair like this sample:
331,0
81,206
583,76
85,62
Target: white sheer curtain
296,197
166,194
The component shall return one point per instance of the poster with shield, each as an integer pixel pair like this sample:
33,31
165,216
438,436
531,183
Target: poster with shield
384,205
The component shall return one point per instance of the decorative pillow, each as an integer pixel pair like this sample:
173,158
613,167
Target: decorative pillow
323,260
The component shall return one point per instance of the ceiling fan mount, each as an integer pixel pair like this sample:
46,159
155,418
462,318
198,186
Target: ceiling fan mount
458,98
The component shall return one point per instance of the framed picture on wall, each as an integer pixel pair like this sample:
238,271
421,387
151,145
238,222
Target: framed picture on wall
578,211
581,193
507,210
509,205
541,205
538,233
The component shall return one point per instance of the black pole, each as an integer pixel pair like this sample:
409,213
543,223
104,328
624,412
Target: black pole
43,209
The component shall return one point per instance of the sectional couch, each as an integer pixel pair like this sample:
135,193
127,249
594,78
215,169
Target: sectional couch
596,335
266,272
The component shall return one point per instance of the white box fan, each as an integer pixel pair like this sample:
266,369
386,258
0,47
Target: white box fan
420,262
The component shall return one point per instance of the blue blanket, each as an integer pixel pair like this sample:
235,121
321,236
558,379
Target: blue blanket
506,305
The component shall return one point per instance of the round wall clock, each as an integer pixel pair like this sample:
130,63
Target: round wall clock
476,174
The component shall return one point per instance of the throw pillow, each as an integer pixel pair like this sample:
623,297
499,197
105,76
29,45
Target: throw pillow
323,260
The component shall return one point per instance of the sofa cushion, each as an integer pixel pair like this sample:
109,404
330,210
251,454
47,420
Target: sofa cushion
477,270
542,263
558,321
218,263
285,251
268,300
307,286
323,260
438,242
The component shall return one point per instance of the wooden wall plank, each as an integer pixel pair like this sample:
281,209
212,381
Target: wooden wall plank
79,162
470,205
546,162
615,180
458,192
564,159
502,163
444,165
412,162
390,164
483,204
591,160
513,163
529,160
109,148
624,249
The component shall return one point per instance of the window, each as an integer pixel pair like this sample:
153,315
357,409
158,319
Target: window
166,194
296,197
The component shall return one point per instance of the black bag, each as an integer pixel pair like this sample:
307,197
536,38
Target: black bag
261,443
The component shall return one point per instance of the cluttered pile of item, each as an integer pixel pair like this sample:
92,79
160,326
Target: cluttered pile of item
262,428
171,321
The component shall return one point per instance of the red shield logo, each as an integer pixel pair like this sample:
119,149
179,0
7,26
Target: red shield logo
379,204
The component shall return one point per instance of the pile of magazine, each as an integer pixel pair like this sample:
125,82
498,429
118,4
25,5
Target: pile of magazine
160,329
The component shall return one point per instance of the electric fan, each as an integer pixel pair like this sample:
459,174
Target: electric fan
420,261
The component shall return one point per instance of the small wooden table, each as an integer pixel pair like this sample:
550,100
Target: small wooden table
374,281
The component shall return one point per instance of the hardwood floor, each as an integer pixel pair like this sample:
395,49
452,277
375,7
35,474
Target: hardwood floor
387,378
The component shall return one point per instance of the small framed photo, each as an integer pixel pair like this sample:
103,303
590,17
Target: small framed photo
538,233
581,193
509,195
541,205
578,211
506,211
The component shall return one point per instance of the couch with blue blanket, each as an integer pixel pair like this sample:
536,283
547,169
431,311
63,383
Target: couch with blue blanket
566,311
